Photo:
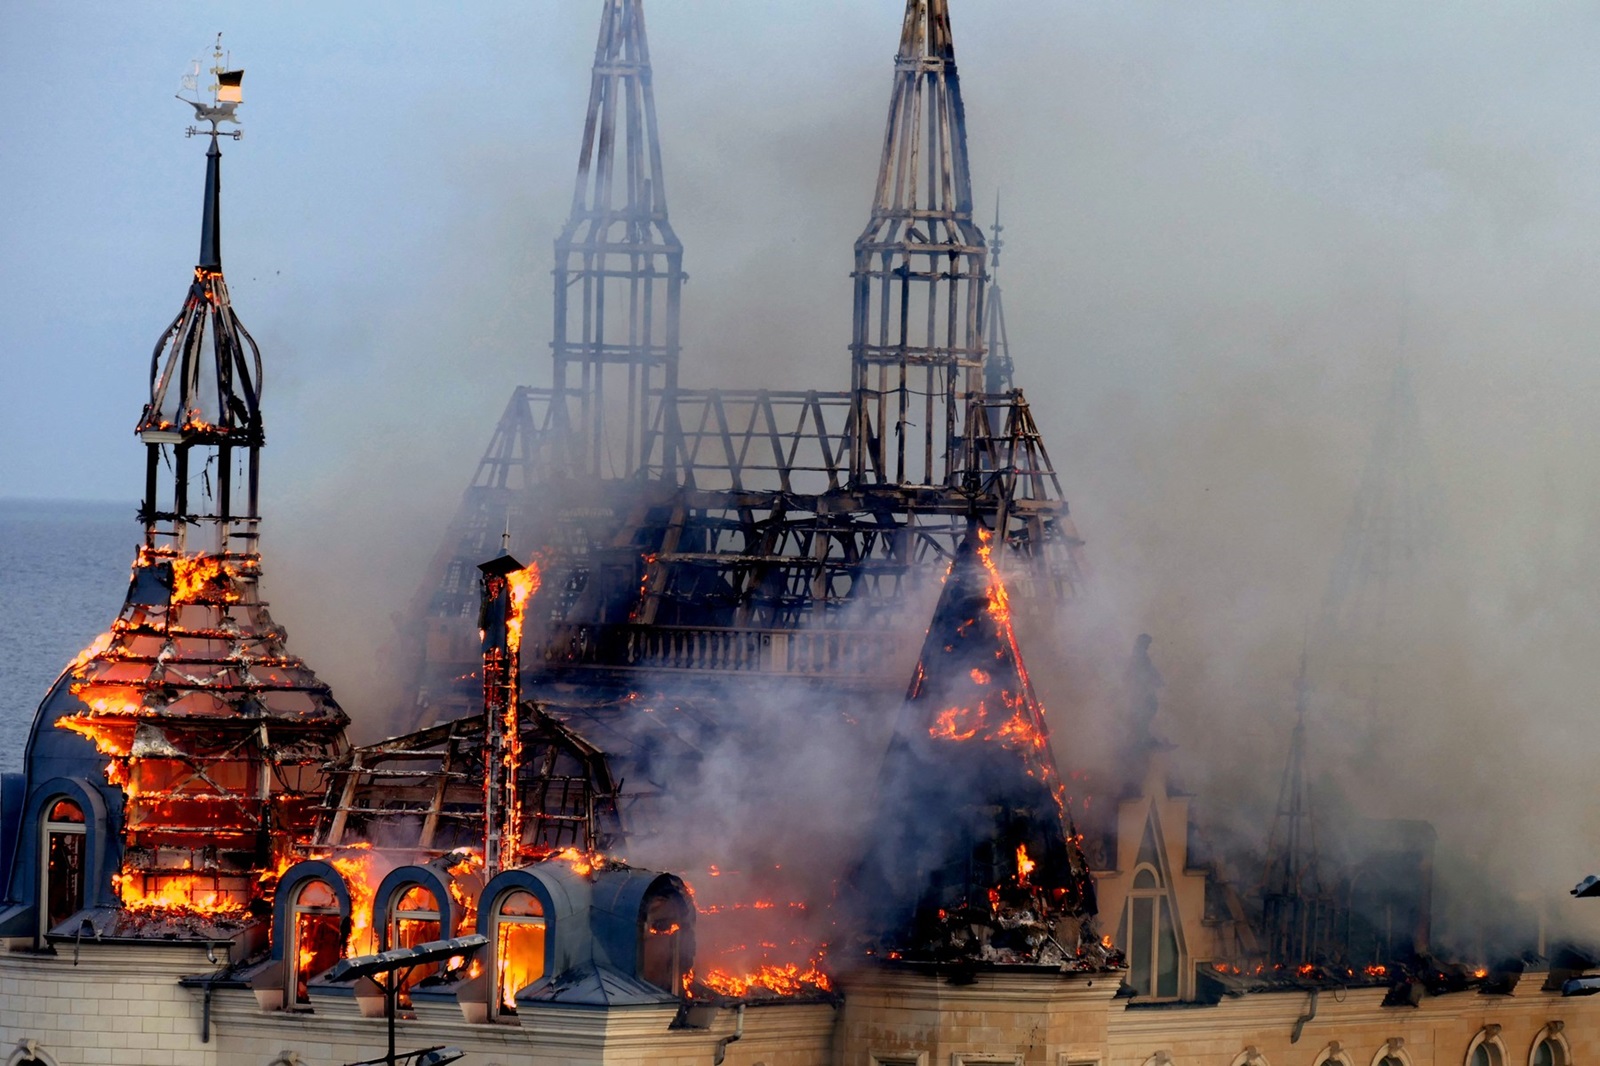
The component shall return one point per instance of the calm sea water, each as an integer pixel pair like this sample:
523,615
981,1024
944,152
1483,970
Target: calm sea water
63,574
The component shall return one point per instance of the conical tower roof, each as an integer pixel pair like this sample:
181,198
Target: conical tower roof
201,734
971,825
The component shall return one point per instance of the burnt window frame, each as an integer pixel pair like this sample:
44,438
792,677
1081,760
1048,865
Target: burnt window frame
665,892
48,828
495,915
291,991
388,932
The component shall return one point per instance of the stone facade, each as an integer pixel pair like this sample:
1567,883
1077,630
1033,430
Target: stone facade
123,1005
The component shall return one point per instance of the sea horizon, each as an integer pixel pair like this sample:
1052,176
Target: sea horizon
63,575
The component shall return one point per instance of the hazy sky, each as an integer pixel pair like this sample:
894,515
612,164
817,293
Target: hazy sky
1225,222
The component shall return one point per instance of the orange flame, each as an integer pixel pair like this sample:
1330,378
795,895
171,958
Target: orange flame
361,876
1025,865
785,980
203,579
195,893
522,585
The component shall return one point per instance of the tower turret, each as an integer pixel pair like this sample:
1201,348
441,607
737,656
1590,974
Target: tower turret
179,757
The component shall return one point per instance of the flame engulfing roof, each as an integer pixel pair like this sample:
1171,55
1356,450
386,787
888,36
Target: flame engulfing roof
973,855
214,732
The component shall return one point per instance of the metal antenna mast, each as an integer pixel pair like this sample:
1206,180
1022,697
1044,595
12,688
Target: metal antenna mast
619,267
916,344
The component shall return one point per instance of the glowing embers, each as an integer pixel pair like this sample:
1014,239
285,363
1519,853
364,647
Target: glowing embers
976,669
519,946
751,943
785,980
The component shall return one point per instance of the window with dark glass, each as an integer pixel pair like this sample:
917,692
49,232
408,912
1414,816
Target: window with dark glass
1147,929
1485,1054
1548,1052
65,851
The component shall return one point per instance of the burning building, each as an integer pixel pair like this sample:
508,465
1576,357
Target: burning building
176,759
235,883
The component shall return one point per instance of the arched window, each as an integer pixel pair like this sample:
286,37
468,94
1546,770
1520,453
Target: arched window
1486,1048
1147,929
664,918
29,1053
518,938
1392,1053
413,919
315,944
1550,1047
1150,937
63,846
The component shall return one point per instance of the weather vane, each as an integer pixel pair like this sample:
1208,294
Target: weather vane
225,91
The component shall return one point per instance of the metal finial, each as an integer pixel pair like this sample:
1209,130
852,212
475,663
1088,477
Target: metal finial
995,243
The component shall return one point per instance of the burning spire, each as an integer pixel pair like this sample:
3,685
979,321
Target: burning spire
211,734
974,854
916,343
619,267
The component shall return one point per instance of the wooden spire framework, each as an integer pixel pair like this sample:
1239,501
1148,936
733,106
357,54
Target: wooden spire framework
917,339
619,267
691,533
